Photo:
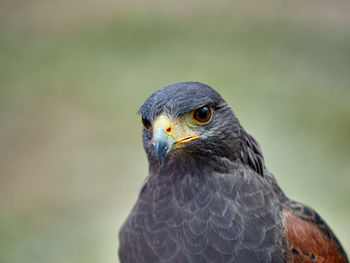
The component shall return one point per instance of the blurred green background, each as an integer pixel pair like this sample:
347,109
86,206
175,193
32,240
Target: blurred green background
73,74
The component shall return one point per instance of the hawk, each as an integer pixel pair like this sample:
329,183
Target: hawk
209,197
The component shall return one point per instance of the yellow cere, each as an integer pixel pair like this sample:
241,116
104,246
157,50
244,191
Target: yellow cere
179,129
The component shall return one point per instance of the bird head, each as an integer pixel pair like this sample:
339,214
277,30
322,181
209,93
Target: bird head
188,120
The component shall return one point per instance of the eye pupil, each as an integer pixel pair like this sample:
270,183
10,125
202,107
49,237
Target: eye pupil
146,123
203,114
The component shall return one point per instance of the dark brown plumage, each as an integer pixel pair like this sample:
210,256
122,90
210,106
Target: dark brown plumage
209,196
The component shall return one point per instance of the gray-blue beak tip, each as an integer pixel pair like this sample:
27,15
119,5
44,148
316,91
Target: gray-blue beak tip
163,144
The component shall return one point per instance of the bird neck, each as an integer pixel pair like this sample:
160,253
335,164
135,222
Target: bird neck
192,166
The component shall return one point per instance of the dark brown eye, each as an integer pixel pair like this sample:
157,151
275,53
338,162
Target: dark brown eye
202,114
146,123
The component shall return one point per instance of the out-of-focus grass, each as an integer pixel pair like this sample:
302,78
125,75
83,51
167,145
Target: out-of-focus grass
71,157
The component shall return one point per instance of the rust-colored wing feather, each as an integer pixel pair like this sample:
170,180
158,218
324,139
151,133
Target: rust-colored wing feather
309,237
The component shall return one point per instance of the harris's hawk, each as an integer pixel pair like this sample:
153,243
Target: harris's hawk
209,197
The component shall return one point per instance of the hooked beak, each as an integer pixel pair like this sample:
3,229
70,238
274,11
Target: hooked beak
170,134
163,144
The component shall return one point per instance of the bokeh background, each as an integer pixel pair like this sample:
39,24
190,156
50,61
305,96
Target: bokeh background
74,73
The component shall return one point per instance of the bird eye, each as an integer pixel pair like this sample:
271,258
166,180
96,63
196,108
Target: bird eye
146,123
202,114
